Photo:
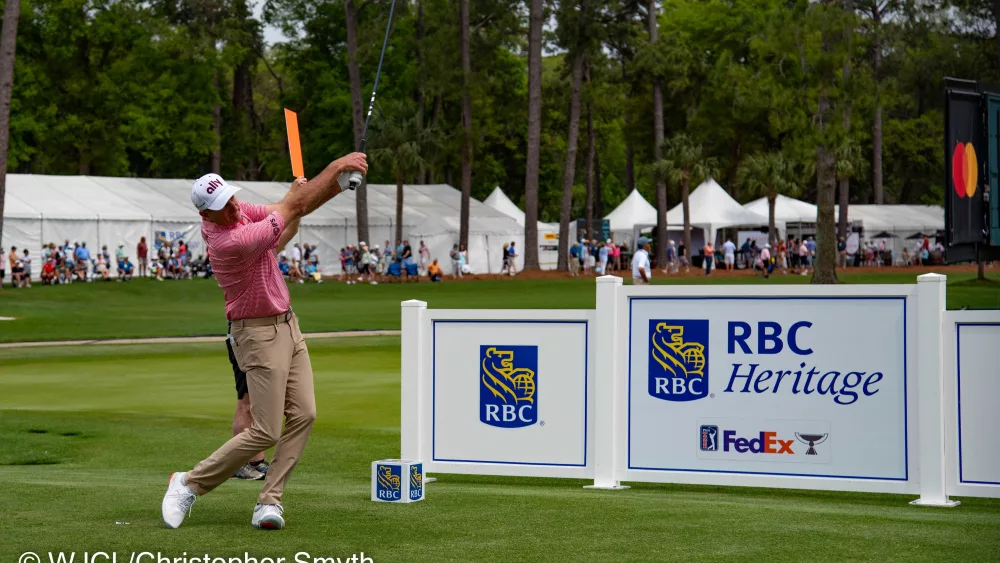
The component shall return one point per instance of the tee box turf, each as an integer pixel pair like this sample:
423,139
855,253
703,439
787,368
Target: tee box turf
397,480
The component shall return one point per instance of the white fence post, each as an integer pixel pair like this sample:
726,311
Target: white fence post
605,388
930,391
412,364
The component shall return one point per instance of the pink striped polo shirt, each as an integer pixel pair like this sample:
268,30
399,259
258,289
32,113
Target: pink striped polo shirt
244,264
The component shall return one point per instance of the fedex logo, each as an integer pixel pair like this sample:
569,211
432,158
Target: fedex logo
764,443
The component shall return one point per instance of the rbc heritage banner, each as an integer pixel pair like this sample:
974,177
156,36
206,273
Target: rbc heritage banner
799,386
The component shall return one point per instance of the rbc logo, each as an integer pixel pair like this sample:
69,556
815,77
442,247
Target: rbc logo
389,485
507,382
416,481
678,359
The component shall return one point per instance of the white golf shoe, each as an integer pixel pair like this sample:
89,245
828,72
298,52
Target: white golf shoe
178,501
268,517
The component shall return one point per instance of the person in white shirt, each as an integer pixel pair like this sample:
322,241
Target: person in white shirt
729,250
765,261
641,271
296,255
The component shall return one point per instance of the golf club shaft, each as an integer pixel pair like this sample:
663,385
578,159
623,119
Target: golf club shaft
355,179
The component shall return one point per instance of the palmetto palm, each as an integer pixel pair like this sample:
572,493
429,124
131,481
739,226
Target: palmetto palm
402,142
684,163
767,175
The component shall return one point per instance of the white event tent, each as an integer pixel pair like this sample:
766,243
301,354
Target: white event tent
712,209
786,209
634,211
107,211
548,233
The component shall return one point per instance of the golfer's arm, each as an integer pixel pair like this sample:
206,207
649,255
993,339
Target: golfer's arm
310,196
288,234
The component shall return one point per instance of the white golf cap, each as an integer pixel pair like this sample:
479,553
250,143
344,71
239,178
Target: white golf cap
211,192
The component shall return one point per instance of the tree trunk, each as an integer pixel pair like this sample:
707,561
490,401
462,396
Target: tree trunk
8,48
242,110
354,75
686,205
629,149
996,22
825,270
845,183
534,145
569,167
463,236
419,94
598,196
589,181
772,229
661,186
216,127
399,206
877,128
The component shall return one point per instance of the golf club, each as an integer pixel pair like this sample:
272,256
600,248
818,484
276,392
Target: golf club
355,178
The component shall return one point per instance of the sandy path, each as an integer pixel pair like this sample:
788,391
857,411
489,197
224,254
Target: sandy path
179,339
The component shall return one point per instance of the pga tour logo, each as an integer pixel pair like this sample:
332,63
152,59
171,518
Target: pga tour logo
508,377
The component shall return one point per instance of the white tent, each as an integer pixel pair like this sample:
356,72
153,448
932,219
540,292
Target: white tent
786,209
633,211
548,233
487,235
105,211
713,209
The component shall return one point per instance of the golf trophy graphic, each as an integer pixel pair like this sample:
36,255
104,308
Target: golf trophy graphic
812,440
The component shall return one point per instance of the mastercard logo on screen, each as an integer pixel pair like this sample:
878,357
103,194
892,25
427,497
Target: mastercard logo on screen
964,169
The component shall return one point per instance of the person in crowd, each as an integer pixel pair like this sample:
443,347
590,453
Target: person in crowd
49,272
46,252
671,266
682,258
63,270
312,269
385,258
455,266
101,268
506,258
512,259
585,257
745,254
811,245
603,255
26,269
425,257
463,258
365,263
120,252
141,255
729,254
574,259
106,254
82,253
708,254
125,269
15,267
297,255
434,271
641,270
782,261
925,255
804,257
765,262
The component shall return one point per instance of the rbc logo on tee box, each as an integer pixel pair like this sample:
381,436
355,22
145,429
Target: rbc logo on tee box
397,480
508,376
678,359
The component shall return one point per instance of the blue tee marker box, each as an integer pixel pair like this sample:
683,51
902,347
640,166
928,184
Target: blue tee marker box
397,480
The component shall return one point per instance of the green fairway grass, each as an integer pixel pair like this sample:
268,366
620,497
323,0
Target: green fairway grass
147,308
90,435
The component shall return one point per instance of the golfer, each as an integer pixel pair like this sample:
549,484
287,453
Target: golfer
267,342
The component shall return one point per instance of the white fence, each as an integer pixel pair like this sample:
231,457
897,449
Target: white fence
871,388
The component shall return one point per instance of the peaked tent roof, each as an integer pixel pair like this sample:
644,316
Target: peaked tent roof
713,209
786,209
499,201
634,210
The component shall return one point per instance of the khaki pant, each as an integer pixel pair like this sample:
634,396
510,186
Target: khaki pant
272,352
574,266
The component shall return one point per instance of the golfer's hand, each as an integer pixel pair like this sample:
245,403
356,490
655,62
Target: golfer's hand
354,162
299,182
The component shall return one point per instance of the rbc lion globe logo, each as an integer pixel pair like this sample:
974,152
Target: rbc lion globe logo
508,376
389,482
678,359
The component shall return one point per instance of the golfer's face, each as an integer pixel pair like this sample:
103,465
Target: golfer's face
228,215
